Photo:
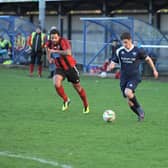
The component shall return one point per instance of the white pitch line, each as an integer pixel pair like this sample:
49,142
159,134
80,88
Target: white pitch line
40,160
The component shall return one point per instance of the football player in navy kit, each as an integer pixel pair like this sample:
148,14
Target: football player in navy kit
129,57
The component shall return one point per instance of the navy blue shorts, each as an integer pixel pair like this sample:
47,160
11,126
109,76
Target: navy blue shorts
131,84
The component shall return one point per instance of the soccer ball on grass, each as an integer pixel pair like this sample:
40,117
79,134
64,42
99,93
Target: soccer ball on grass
109,115
103,74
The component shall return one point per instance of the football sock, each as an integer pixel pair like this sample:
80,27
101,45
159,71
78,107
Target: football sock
82,95
135,102
136,107
31,68
61,93
40,70
140,111
134,110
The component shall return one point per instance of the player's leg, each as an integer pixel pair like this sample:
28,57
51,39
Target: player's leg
58,79
80,90
73,77
132,100
132,107
32,62
39,62
123,84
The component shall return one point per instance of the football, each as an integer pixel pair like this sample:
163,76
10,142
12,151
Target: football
103,74
109,115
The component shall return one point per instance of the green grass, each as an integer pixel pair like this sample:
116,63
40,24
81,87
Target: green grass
32,124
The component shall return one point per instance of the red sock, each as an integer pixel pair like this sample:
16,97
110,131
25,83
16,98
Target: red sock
82,95
31,68
40,70
61,93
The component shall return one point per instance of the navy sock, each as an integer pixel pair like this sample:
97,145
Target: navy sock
136,107
134,110
140,111
135,102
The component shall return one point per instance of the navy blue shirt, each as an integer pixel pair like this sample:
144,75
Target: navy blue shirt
129,61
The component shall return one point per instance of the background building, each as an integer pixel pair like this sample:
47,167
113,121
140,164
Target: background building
66,14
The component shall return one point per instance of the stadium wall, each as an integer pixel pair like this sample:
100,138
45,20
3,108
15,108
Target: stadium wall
77,25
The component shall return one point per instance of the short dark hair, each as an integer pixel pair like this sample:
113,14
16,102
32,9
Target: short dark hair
125,35
54,31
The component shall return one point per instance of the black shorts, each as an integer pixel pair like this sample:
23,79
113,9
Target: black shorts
131,84
71,74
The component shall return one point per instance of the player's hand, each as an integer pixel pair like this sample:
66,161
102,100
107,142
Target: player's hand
51,60
53,51
156,74
110,66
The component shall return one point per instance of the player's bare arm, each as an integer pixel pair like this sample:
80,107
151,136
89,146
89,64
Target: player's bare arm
111,66
151,64
48,51
62,52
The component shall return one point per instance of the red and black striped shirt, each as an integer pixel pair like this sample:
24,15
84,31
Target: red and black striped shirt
64,62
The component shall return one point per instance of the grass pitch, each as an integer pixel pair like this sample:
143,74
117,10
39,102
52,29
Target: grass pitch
33,125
